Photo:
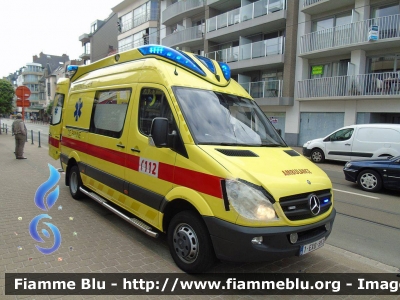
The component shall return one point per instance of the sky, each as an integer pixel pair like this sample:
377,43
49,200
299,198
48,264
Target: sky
28,27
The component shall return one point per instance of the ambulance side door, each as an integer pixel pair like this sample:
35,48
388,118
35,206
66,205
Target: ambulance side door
150,170
56,125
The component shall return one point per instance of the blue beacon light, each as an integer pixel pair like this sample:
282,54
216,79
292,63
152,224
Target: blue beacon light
225,70
173,55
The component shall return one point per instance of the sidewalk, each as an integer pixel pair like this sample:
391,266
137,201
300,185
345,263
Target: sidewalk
95,240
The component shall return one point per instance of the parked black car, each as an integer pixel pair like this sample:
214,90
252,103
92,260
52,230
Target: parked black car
372,175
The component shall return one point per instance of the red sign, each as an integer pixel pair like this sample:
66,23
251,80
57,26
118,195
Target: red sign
23,92
26,103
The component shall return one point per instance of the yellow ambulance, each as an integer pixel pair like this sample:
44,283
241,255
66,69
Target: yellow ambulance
169,142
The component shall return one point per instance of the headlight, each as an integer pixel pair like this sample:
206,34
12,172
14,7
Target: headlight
249,202
347,165
306,143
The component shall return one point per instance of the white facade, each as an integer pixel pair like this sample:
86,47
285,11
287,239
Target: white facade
347,67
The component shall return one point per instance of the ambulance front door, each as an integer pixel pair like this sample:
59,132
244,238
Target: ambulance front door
150,170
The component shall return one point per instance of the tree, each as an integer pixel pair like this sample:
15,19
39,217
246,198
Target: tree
6,97
49,108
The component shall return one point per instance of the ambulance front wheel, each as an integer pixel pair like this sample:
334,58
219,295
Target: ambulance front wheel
75,182
189,243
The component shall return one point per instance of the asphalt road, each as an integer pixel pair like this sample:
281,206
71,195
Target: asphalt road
367,223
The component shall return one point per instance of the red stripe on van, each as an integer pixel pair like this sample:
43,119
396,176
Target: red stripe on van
54,142
201,182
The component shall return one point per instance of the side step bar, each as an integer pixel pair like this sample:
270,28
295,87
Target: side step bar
135,222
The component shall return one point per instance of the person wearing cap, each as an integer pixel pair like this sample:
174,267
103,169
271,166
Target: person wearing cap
19,131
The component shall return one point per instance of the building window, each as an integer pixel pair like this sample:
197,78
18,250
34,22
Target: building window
48,89
334,21
384,63
109,111
93,28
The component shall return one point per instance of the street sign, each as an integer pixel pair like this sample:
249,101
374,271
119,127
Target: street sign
23,92
26,103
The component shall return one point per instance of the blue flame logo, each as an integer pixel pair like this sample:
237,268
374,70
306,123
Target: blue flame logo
35,235
40,203
78,107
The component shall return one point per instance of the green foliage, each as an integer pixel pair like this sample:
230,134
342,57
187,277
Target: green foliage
50,108
6,96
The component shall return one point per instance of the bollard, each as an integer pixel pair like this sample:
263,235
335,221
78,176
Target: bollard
39,139
32,136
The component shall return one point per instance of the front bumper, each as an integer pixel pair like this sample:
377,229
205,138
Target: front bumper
233,242
350,174
306,152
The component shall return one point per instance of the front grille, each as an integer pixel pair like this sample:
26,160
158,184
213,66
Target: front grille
296,207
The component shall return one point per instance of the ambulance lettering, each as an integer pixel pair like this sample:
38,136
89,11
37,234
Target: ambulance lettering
149,167
296,172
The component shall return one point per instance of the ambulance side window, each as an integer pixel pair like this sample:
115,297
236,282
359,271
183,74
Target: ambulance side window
109,112
57,109
152,104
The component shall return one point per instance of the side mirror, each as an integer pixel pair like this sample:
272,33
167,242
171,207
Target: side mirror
159,132
327,139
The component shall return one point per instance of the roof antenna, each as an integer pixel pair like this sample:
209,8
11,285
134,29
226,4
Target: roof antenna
175,72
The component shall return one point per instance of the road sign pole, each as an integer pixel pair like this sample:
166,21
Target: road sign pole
23,107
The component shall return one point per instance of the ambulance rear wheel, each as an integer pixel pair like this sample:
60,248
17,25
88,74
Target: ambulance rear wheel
190,243
75,182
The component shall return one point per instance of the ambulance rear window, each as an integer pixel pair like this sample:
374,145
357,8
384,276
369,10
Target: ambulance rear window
109,111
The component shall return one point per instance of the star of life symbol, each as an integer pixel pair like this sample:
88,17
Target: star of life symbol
78,107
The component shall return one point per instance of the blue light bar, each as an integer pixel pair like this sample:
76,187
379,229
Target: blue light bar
71,70
225,70
207,62
172,55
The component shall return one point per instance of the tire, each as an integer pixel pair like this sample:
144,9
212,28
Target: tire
190,243
75,182
317,156
369,180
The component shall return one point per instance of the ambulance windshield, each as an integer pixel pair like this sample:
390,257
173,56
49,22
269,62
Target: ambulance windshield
223,119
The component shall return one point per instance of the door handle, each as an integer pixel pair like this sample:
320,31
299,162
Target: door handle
121,146
135,150
347,144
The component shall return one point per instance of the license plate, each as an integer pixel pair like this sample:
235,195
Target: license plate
304,249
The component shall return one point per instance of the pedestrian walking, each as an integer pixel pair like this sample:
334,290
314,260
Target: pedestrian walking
19,131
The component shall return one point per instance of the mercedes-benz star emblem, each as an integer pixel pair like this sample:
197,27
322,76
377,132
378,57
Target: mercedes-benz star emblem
315,205
308,181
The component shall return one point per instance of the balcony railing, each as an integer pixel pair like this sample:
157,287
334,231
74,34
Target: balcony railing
245,13
249,51
139,42
180,7
358,32
310,2
264,89
375,84
134,22
185,35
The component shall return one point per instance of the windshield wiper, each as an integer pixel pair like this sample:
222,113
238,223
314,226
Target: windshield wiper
273,145
230,144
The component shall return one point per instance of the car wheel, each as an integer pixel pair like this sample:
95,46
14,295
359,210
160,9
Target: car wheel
317,156
369,180
75,182
190,243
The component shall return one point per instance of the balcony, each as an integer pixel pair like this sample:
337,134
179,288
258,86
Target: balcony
181,10
364,86
234,21
190,37
84,38
264,89
134,22
342,39
249,51
316,6
85,56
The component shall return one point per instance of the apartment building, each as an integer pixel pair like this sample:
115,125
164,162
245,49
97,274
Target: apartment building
137,23
347,69
101,41
256,38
